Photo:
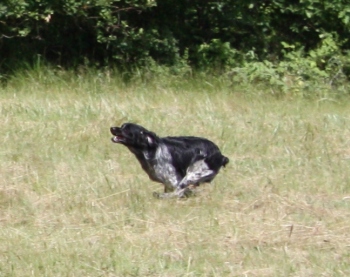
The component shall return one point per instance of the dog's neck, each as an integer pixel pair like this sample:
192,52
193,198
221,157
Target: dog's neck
146,156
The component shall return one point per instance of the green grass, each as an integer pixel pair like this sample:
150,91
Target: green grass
74,204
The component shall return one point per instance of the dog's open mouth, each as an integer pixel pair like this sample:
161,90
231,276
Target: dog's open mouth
118,139
117,135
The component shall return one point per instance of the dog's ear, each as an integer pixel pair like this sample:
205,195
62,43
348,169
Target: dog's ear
150,137
150,140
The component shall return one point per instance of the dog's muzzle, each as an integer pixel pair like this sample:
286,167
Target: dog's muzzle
118,137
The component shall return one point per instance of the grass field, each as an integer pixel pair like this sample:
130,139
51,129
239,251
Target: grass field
74,204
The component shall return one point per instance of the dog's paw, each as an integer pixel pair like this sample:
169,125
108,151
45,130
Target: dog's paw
188,193
182,193
166,195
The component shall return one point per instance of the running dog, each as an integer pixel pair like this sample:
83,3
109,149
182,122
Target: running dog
176,162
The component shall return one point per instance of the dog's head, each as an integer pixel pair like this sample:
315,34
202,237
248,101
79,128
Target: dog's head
135,136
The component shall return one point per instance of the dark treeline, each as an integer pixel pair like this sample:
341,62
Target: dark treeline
203,33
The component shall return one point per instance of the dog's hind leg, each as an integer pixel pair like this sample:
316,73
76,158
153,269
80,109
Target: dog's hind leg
197,173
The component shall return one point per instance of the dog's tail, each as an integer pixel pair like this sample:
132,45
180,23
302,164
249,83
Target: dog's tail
224,161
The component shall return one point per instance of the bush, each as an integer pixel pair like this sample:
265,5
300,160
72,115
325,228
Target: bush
286,45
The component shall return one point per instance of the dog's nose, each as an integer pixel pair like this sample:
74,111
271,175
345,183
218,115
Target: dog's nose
113,130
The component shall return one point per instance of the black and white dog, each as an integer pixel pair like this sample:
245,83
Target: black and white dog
176,162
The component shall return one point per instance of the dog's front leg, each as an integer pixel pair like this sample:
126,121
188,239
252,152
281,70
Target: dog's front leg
168,188
168,191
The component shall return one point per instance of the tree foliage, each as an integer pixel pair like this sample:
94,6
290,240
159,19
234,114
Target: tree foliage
133,32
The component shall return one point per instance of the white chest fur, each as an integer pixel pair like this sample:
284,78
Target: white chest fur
162,168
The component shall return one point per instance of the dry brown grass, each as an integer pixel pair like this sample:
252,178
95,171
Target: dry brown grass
74,204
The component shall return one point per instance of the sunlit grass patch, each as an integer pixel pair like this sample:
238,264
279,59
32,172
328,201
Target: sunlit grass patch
72,203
